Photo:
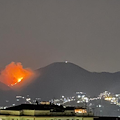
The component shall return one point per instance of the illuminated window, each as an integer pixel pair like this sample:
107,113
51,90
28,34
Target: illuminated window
80,111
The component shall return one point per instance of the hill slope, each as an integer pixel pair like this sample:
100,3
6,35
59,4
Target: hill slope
66,78
6,93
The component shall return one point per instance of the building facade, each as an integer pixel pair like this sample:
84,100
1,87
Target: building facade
43,112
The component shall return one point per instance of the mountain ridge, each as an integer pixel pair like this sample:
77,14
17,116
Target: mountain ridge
62,78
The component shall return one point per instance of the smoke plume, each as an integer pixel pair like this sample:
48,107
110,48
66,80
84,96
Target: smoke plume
14,73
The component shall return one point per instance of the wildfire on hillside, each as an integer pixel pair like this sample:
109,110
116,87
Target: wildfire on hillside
14,73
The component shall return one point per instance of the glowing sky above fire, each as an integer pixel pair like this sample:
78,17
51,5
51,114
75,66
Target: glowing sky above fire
14,73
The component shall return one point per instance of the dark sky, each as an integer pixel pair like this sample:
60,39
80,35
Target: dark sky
40,32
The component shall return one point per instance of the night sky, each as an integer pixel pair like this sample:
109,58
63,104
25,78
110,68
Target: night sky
39,32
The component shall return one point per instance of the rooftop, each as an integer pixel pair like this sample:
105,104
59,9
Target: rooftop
40,107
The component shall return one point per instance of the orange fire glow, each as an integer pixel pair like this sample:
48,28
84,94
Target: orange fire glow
80,111
14,73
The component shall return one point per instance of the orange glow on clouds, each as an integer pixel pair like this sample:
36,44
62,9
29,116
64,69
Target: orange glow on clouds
14,73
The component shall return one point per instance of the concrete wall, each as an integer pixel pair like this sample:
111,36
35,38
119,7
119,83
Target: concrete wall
42,112
11,112
27,118
8,117
28,112
87,118
35,112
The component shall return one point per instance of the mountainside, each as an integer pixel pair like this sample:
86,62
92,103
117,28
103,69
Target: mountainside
6,93
67,78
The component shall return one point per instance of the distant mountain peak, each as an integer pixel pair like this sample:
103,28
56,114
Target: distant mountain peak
65,65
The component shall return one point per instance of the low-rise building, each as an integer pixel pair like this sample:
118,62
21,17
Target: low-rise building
43,112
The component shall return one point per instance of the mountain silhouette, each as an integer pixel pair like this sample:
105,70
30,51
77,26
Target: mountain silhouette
62,78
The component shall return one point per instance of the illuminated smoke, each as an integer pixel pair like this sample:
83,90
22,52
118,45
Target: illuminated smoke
14,73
